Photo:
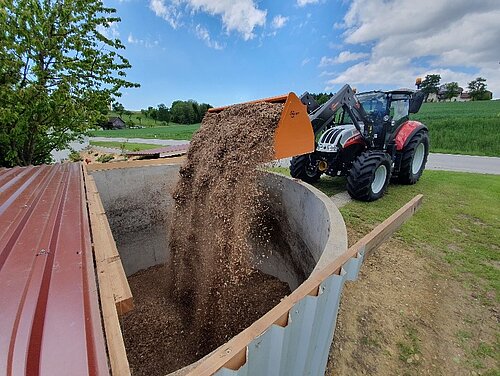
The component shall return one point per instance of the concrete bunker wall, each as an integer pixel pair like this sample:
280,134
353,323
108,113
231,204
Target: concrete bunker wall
139,204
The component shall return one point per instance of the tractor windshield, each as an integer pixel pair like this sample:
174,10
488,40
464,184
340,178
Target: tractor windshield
374,103
400,106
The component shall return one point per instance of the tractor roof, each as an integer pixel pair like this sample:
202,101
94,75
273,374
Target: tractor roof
396,91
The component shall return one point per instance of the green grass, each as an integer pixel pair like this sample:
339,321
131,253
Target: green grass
170,132
137,118
463,127
328,185
128,146
409,350
457,224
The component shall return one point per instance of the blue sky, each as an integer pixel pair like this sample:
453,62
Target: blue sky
223,51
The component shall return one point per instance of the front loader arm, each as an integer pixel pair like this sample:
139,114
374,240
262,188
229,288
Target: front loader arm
345,98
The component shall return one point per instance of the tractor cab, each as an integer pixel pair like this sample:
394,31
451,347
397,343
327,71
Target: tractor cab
387,110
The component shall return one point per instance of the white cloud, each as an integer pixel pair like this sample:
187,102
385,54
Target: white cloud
409,39
303,3
131,39
343,57
306,61
169,12
141,42
279,21
242,16
111,31
203,34
325,61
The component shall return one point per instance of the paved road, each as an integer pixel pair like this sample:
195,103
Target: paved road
447,162
465,163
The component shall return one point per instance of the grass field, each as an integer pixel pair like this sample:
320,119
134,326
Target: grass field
455,127
463,127
170,132
128,146
138,118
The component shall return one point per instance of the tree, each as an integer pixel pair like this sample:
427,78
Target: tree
477,88
163,113
58,71
430,84
182,112
118,108
451,90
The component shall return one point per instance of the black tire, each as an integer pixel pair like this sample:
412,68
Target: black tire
408,172
304,168
364,178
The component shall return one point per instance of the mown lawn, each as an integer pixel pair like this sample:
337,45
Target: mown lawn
463,127
128,146
170,132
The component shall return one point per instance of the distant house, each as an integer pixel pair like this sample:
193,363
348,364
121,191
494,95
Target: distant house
464,97
114,123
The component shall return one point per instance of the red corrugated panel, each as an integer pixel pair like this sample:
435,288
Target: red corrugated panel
49,312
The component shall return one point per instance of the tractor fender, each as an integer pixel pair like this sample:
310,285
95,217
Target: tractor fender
406,131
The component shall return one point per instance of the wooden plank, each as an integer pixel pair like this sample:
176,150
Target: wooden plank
114,339
237,345
105,249
114,291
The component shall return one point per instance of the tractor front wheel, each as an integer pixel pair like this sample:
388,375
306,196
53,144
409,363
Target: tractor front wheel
414,158
369,176
304,167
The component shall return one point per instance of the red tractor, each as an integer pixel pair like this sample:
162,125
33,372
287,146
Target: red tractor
367,137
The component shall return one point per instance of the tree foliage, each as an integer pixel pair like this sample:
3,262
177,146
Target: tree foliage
59,71
182,112
477,89
451,90
430,84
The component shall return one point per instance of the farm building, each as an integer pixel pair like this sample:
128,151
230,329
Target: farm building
114,123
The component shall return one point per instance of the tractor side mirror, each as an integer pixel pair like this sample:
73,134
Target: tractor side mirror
416,102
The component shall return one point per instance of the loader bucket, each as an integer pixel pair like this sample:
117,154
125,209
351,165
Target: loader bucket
294,134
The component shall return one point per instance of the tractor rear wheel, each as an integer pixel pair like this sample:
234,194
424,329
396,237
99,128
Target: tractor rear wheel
303,167
369,176
414,158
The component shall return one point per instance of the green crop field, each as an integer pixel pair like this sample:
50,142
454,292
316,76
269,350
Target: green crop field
126,146
463,127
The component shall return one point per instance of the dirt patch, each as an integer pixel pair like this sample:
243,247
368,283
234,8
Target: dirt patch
157,337
403,316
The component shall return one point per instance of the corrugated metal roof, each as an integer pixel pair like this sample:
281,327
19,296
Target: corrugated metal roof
165,151
49,314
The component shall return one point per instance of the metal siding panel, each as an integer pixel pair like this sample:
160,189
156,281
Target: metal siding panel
300,327
265,352
324,324
353,266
